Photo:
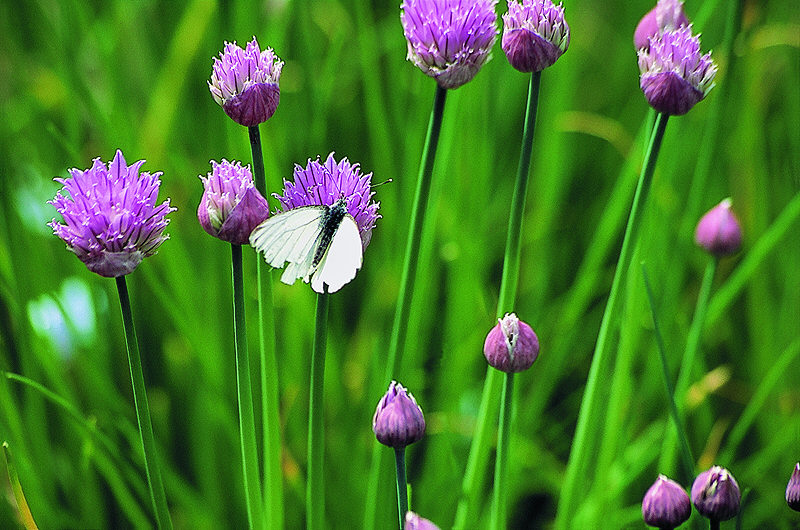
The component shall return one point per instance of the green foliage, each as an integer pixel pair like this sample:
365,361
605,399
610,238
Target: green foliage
82,79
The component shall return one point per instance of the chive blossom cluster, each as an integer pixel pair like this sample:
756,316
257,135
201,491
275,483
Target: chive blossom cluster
535,34
324,183
244,82
674,75
449,40
111,219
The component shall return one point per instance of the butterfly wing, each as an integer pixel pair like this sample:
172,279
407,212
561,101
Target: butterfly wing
290,237
342,260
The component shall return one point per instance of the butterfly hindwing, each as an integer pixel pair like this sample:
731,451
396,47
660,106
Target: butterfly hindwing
342,259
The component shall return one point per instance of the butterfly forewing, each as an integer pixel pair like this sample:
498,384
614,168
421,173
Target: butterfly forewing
342,260
289,236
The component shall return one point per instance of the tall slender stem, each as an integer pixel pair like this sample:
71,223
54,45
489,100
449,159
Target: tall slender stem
407,279
500,497
480,447
315,489
589,415
244,392
270,409
402,487
689,362
686,452
152,470
259,176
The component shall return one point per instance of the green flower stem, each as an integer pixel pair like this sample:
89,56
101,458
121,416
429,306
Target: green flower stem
270,407
480,447
407,280
244,392
689,361
259,176
586,437
500,497
402,487
686,453
157,496
315,487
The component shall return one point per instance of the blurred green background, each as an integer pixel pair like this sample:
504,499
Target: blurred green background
81,79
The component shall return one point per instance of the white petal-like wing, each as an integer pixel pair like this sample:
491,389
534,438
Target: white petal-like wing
343,259
290,237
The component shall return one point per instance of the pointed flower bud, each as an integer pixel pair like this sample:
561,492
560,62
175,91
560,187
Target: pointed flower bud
415,522
398,420
449,40
793,489
674,76
666,504
112,220
716,495
719,231
511,346
666,16
244,82
231,205
535,34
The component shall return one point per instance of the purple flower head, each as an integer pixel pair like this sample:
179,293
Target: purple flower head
793,489
398,420
231,205
716,495
535,34
327,182
415,522
245,83
112,220
674,76
666,16
666,504
449,40
511,346
719,232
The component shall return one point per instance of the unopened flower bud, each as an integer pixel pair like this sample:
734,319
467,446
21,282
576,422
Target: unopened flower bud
793,489
666,16
511,346
231,205
719,231
398,420
716,495
666,504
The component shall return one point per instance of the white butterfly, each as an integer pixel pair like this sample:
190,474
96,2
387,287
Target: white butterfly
321,244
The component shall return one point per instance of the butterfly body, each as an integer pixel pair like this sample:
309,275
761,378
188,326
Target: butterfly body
321,245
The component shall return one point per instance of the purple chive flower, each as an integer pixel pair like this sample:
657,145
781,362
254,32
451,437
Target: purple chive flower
245,83
719,232
415,522
793,489
449,40
666,504
666,16
674,76
231,205
535,34
325,183
716,495
112,220
511,346
398,420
